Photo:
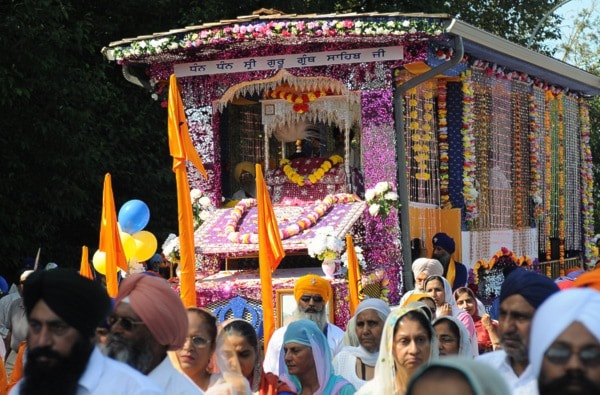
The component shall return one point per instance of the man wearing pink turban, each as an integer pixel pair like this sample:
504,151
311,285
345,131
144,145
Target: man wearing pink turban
148,320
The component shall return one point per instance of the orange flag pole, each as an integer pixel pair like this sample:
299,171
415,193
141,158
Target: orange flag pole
181,149
110,239
353,274
270,251
84,267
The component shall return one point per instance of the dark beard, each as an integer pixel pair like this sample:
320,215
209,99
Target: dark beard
55,374
135,354
572,383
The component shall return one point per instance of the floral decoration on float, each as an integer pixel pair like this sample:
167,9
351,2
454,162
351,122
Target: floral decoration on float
313,177
502,259
298,98
381,199
318,210
374,285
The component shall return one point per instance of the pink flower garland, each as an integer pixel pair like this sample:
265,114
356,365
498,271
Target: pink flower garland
534,155
317,211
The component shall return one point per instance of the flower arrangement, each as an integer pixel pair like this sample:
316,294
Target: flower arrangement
170,248
381,199
313,177
362,262
374,285
325,244
201,207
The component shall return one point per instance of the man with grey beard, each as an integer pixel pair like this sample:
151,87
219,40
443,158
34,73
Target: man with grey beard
312,294
148,320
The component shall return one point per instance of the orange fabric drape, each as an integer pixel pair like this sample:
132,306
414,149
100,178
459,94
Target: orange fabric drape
427,221
17,372
270,251
181,149
353,274
84,268
110,239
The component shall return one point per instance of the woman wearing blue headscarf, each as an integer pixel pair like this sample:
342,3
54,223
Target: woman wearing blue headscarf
306,361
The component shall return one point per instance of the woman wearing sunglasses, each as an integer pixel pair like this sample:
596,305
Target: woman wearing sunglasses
195,356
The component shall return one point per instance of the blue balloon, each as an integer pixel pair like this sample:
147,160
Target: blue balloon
133,216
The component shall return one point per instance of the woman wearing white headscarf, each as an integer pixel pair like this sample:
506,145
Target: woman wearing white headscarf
464,375
453,337
440,290
422,268
356,362
407,342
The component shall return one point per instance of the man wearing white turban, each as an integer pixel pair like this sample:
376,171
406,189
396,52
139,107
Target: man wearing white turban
422,268
565,344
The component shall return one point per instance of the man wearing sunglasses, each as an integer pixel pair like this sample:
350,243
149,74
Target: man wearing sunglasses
520,295
148,320
312,293
565,345
63,310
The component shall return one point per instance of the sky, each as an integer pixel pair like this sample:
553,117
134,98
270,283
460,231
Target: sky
569,12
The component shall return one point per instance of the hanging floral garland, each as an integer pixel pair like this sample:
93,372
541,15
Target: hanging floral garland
299,99
503,258
311,218
313,177
587,180
561,184
468,132
548,177
534,157
443,145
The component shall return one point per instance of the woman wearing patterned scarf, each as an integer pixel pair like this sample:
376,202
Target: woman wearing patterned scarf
408,341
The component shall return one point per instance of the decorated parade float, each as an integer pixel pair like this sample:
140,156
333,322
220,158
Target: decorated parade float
480,138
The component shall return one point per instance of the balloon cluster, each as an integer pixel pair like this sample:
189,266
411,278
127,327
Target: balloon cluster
137,243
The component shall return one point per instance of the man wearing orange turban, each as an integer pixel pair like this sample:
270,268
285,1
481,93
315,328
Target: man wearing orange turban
312,293
148,320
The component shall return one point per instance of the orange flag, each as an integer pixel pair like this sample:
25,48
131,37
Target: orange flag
84,268
270,251
110,239
353,274
182,149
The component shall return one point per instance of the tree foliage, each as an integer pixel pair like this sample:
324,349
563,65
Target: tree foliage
70,117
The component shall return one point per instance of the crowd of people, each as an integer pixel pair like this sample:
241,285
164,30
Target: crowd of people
439,340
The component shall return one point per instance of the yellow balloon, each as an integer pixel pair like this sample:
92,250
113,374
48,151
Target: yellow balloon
146,244
128,243
99,261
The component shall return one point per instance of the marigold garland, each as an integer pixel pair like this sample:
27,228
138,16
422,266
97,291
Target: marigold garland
468,132
299,99
317,211
534,158
443,144
587,181
548,177
313,177
503,257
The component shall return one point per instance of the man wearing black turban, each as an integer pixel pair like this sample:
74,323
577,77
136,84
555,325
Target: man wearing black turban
63,310
520,295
